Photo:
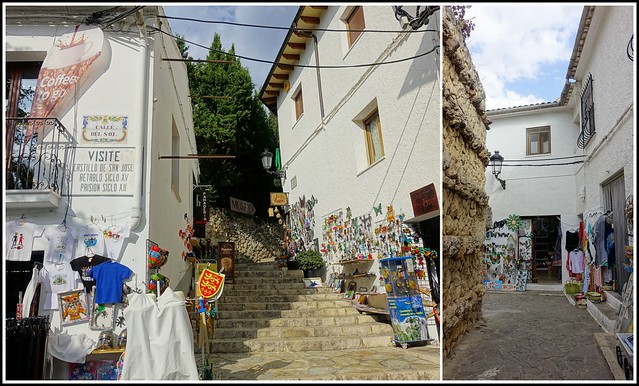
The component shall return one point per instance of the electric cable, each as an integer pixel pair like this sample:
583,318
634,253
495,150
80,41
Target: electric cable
557,164
299,65
288,28
543,159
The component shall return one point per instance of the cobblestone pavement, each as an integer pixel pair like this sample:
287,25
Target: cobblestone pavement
421,363
531,335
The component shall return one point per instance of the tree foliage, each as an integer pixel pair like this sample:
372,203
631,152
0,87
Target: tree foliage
236,124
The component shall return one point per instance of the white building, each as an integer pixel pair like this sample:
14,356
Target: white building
357,134
573,159
124,109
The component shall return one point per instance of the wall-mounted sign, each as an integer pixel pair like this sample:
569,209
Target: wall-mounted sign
242,206
424,200
279,199
104,128
103,171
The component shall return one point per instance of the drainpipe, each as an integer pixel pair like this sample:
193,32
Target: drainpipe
142,107
319,79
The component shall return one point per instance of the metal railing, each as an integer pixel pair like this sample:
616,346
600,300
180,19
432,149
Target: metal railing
38,154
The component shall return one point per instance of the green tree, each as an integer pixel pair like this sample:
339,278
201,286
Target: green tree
236,124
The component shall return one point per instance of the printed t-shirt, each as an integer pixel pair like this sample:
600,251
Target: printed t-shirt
83,266
109,277
58,278
90,240
19,239
61,242
114,239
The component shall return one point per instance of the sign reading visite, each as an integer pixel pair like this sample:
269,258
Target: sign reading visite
103,171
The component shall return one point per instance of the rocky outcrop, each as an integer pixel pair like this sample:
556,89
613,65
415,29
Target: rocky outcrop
465,201
255,240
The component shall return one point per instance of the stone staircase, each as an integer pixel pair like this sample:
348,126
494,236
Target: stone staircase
270,310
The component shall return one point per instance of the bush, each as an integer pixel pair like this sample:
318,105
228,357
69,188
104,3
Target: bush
309,260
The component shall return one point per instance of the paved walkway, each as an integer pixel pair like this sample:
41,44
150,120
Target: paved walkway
388,363
531,335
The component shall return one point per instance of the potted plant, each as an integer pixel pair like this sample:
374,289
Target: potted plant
309,262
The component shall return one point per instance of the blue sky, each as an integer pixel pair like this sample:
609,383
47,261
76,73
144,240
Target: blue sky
521,51
249,42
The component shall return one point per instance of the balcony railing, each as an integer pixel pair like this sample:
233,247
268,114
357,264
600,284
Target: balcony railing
39,155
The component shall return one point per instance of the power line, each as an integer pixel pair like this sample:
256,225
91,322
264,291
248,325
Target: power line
557,164
299,65
291,28
543,159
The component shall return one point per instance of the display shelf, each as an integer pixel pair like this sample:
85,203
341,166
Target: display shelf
354,261
107,351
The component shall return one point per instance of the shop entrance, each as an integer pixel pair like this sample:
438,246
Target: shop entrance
546,267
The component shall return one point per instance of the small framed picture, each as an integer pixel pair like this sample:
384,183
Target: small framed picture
74,307
102,315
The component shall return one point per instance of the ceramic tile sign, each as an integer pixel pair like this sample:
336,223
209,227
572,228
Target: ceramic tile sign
104,129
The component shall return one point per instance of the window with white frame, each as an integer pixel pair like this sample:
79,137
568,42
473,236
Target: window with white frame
374,141
538,140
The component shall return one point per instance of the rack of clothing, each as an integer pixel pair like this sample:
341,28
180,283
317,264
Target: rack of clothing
27,338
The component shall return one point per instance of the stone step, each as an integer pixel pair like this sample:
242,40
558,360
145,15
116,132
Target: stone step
263,266
270,273
266,280
604,314
232,298
273,314
304,305
281,289
298,344
259,287
349,320
613,299
363,329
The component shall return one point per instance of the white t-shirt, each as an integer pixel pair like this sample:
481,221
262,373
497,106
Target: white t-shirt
58,278
577,261
90,241
61,242
19,239
114,239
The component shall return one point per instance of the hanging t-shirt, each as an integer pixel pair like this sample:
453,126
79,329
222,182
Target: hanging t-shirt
90,240
577,261
19,239
58,278
114,239
109,277
83,266
572,240
61,242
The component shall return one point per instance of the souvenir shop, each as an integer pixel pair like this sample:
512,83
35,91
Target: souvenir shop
76,310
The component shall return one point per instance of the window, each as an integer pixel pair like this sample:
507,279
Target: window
299,104
587,115
538,140
175,162
355,24
20,87
374,142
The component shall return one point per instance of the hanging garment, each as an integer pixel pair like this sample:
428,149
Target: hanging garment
61,242
159,339
114,240
90,241
58,278
109,278
577,261
70,348
30,292
19,239
83,266
572,240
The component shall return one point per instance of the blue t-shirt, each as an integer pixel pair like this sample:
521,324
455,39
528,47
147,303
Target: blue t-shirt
109,277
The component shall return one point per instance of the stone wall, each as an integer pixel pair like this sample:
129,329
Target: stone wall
255,239
465,202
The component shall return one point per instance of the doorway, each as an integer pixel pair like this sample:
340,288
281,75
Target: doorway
614,197
545,230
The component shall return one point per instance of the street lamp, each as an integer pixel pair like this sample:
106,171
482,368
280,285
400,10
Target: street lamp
496,160
267,161
413,16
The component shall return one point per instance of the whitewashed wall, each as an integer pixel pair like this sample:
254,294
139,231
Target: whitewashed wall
134,78
328,159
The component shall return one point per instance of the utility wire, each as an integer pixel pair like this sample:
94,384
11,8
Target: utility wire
291,28
557,164
543,159
299,65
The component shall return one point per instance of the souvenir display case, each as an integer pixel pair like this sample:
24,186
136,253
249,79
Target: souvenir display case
404,301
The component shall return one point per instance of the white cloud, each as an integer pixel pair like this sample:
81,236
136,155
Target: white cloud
512,43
